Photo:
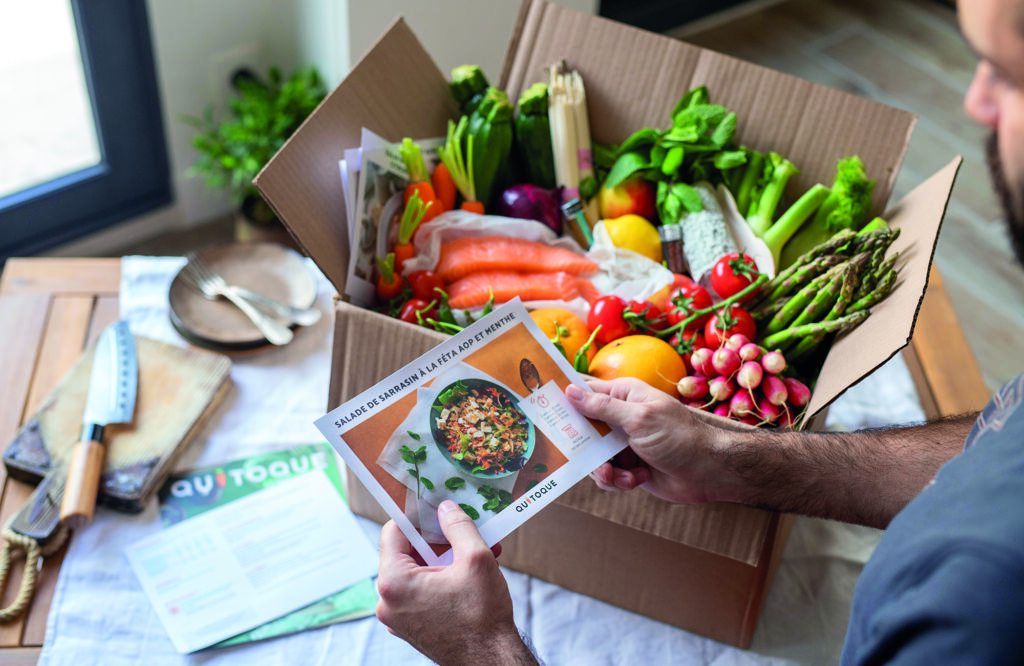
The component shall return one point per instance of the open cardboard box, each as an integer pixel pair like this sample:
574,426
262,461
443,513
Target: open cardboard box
706,569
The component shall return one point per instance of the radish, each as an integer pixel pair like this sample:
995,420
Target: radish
725,361
750,419
741,404
695,404
750,352
693,387
721,388
773,362
799,394
769,412
721,409
736,340
774,390
785,419
700,359
749,375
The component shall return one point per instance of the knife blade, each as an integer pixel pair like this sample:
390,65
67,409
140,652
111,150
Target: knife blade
113,385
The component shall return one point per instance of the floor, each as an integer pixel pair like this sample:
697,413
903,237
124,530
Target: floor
905,53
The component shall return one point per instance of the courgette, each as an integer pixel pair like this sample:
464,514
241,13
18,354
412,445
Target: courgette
533,136
469,86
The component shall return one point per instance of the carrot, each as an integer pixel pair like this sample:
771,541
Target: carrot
389,284
414,214
473,207
444,186
419,177
452,157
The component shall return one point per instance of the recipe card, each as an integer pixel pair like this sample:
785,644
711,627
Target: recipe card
482,420
251,560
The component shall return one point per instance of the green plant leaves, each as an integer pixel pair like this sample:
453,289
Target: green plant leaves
454,483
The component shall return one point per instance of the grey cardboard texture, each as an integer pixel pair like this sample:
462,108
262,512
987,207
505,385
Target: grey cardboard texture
633,79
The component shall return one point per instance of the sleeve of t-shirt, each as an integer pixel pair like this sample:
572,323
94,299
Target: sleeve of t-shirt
967,607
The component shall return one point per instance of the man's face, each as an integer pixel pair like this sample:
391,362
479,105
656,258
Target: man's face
995,30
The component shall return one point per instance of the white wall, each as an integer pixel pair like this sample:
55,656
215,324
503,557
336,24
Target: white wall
198,43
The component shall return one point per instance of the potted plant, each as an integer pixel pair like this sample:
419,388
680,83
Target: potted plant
263,113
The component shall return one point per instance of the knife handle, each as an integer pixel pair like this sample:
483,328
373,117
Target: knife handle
83,484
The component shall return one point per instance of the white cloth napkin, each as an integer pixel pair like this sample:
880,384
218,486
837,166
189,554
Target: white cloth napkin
99,613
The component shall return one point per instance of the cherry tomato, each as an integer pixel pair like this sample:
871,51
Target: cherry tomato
606,312
732,274
685,342
684,300
653,317
680,280
724,324
414,305
423,284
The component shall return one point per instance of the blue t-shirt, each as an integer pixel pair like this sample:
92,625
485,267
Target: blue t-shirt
946,583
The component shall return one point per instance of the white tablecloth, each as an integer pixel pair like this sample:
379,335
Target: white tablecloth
99,613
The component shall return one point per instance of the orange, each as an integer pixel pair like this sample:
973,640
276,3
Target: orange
574,331
642,356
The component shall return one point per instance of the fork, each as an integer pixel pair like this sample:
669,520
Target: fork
213,286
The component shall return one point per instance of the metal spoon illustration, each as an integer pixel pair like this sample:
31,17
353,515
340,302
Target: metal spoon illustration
529,375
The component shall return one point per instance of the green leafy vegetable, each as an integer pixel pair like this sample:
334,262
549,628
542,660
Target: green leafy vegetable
454,483
470,511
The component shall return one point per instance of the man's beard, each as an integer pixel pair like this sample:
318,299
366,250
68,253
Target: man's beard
1013,208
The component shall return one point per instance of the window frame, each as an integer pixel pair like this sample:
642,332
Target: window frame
133,175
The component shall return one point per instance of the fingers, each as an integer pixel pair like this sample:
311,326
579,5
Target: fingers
597,404
611,478
395,549
459,529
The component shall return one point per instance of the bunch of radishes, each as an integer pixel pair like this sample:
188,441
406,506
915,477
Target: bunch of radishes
741,380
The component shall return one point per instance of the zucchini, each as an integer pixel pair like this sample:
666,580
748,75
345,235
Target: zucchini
533,136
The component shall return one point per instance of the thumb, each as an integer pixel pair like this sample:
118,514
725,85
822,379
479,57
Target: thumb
459,529
597,405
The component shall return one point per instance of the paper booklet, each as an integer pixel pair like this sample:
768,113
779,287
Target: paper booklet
482,420
250,549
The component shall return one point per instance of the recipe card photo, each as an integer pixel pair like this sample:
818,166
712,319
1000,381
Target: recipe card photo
482,420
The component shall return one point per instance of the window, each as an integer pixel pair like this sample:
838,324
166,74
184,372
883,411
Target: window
109,162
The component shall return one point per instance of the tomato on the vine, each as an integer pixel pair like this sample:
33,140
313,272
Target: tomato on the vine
686,299
725,324
732,274
417,305
685,342
606,312
423,283
651,315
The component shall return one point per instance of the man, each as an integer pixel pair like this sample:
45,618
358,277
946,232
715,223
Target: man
946,583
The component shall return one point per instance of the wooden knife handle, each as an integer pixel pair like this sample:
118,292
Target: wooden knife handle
83,484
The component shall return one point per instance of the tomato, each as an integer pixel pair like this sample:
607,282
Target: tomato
725,324
606,312
686,299
680,280
414,306
732,274
650,316
423,284
685,343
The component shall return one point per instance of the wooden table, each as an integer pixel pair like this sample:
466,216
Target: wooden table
51,309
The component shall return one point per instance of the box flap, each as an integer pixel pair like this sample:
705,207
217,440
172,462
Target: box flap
891,324
395,90
730,530
634,78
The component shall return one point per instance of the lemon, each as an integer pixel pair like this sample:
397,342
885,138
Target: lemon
635,233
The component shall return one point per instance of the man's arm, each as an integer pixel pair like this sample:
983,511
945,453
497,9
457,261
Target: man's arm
688,456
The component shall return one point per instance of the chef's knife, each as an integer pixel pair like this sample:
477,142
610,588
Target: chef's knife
111,399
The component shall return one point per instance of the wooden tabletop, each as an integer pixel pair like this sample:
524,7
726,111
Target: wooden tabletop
51,309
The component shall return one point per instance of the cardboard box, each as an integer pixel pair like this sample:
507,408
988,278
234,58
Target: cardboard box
707,568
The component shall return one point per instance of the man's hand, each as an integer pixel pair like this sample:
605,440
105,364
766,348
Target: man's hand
457,614
669,443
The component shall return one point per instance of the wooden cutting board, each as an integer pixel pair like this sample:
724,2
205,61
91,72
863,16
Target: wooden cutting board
178,389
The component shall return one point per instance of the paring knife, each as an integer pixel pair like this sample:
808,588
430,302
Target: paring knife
112,388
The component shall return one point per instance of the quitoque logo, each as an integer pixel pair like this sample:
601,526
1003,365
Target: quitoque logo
534,495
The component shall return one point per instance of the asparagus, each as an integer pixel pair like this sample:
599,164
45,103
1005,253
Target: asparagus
881,289
794,332
851,278
795,305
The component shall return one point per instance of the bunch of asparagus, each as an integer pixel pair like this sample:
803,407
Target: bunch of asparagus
830,288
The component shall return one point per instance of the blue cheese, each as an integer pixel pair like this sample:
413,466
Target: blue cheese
706,234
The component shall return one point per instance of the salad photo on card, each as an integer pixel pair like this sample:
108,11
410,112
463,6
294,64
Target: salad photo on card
481,420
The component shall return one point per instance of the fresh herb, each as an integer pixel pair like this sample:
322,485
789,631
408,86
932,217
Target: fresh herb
532,484
414,458
448,394
470,511
496,499
455,483
540,468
